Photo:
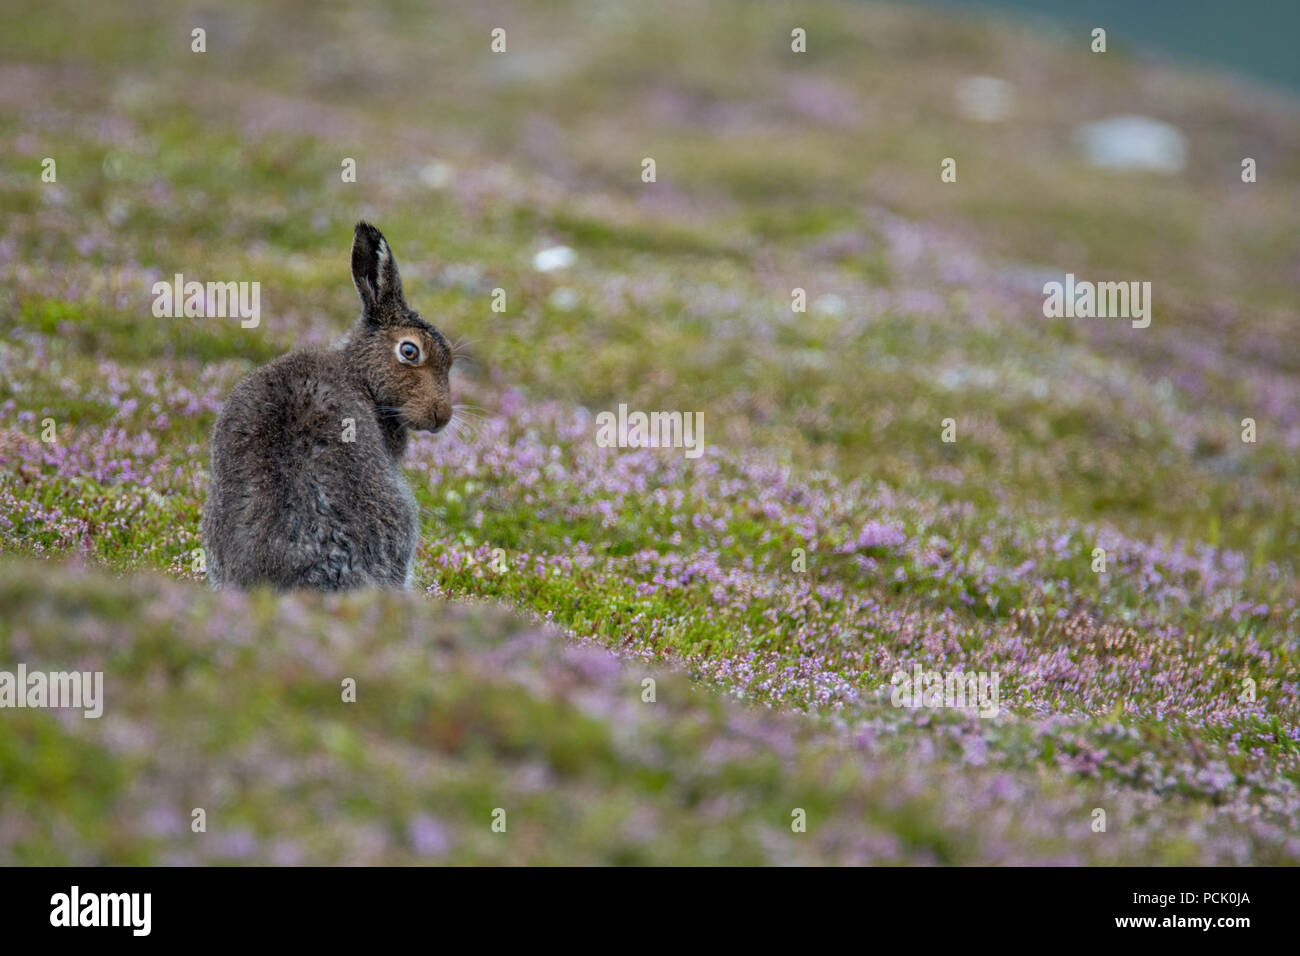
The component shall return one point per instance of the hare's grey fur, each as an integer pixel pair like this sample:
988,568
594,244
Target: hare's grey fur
306,488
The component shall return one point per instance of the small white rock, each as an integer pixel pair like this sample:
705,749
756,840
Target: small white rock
1133,142
985,99
564,299
829,304
437,174
553,258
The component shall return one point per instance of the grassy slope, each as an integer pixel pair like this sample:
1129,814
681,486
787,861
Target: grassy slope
775,171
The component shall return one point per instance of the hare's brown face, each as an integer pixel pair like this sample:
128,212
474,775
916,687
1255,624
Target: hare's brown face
404,360
421,363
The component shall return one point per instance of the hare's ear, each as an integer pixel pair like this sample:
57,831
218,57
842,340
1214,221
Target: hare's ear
374,271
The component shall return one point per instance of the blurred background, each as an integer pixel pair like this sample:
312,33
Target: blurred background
1250,38
776,170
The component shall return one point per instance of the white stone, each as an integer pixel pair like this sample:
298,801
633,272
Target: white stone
985,99
1133,142
437,175
564,299
553,258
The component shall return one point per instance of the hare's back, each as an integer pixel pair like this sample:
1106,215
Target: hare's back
298,417
302,482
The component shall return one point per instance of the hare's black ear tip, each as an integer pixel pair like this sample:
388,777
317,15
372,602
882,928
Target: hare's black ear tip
365,229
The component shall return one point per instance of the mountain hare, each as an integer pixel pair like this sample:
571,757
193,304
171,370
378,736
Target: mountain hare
306,490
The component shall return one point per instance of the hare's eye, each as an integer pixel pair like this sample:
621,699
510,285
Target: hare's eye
408,352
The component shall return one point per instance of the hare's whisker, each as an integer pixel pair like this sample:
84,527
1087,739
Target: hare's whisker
462,350
465,431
